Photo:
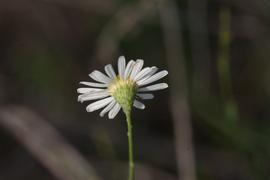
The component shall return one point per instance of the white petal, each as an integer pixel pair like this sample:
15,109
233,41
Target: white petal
138,104
153,78
150,73
142,73
98,104
113,112
121,66
154,87
129,68
92,84
93,96
109,70
107,108
145,96
153,71
100,77
137,68
87,90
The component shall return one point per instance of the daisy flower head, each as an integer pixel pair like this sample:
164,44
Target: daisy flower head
124,90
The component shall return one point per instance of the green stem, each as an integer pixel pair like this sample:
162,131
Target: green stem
224,53
130,147
224,72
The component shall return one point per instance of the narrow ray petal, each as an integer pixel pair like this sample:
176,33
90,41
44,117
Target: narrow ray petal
142,73
138,104
92,84
113,112
107,108
110,71
129,68
153,78
121,66
87,90
137,68
100,77
145,96
98,104
93,96
154,87
148,75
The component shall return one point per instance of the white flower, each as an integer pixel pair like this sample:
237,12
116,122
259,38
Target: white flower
124,90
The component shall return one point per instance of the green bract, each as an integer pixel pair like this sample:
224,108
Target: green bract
124,92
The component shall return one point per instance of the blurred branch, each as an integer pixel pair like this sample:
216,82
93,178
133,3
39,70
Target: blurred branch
223,66
224,53
170,23
125,20
200,50
46,144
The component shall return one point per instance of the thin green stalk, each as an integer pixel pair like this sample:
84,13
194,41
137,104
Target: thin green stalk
224,53
130,147
224,72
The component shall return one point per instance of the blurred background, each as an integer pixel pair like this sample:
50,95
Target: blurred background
212,123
